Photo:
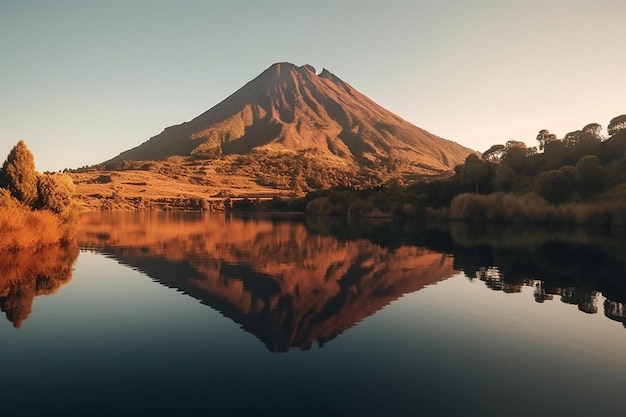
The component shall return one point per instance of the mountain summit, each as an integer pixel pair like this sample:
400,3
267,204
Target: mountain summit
291,110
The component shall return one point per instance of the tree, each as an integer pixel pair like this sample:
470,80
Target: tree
494,153
515,144
592,177
515,157
554,186
571,139
593,130
589,135
18,174
544,137
554,147
504,178
475,172
616,124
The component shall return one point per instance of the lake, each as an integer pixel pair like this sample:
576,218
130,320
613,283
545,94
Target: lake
213,314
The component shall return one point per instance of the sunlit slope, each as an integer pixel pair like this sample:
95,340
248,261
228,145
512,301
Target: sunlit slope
290,109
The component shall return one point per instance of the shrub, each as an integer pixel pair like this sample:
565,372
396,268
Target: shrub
321,205
554,186
55,192
360,208
592,177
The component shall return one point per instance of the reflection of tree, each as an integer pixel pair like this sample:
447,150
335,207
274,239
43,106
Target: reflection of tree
576,265
493,279
615,311
27,274
585,300
540,293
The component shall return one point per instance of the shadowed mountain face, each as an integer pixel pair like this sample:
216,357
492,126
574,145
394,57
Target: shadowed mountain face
290,109
277,280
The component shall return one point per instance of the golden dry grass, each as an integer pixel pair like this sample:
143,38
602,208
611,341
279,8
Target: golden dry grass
25,229
165,184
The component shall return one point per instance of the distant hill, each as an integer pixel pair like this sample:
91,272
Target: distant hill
314,130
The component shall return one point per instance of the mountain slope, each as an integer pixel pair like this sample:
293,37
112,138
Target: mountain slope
292,110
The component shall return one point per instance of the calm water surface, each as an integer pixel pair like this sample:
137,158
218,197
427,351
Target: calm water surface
206,314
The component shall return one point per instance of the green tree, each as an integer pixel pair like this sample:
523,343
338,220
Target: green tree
571,139
515,144
544,137
571,177
18,174
554,186
616,124
504,178
475,173
494,153
515,157
593,130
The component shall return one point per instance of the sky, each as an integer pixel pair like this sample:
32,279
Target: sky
82,81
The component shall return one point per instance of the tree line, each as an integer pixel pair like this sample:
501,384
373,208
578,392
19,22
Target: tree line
580,178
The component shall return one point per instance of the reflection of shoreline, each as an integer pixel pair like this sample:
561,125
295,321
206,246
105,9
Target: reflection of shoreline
299,281
575,264
26,274
274,278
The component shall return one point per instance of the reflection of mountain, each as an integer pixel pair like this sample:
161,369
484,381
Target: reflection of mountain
277,280
26,274
574,264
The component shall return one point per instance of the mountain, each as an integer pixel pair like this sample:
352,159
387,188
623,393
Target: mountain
308,118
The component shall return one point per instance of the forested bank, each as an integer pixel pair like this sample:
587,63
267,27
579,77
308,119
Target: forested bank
577,179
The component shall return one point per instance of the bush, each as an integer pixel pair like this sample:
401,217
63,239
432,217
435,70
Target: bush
530,208
592,177
321,205
55,192
554,186
360,208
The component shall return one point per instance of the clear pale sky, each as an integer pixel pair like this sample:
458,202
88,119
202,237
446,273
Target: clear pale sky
82,81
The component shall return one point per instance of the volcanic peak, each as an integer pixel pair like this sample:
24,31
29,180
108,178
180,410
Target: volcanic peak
291,109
